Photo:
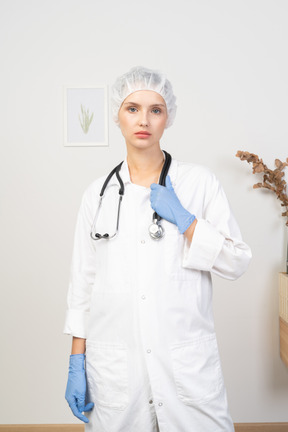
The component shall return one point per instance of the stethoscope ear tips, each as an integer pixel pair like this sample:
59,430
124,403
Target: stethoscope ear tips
98,236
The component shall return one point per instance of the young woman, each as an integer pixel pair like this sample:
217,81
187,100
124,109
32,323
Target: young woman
140,297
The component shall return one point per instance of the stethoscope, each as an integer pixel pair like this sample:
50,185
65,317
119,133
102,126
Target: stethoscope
156,230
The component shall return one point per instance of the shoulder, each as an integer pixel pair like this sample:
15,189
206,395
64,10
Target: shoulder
198,183
96,185
91,195
194,172
195,180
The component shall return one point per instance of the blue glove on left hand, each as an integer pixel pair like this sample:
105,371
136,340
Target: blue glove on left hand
167,205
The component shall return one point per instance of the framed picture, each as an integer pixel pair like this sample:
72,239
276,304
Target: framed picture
85,116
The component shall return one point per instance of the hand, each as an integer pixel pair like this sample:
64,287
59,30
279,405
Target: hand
167,205
76,387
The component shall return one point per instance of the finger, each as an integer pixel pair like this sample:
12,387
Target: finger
153,186
153,197
77,413
81,403
168,182
88,407
83,418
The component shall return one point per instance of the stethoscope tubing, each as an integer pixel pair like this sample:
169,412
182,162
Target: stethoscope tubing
156,218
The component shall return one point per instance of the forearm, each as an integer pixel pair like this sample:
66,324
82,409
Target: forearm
215,251
78,345
190,231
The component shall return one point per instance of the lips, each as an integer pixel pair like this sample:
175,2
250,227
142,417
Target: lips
143,133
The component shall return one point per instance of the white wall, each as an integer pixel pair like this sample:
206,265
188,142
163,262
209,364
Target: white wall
228,63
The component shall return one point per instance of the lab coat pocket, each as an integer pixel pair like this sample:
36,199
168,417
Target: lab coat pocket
197,370
174,252
107,374
113,271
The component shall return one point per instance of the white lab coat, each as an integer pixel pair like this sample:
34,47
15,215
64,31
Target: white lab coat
145,306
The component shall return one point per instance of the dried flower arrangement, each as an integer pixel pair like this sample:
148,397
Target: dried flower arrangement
272,179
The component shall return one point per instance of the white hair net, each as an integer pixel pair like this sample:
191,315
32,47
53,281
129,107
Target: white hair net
140,78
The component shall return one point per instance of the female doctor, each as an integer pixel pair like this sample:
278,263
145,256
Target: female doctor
144,351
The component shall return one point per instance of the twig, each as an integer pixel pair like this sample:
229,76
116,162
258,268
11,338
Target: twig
272,179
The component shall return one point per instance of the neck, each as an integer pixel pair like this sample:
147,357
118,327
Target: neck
145,166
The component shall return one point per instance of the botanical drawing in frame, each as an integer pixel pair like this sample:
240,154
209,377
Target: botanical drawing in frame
85,116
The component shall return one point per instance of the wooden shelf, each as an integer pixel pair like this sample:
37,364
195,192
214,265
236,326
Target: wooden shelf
283,316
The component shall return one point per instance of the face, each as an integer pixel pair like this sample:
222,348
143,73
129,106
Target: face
142,118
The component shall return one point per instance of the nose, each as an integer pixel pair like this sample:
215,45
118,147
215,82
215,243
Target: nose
143,121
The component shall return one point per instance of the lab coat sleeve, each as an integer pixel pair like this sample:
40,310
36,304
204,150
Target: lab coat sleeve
82,273
217,244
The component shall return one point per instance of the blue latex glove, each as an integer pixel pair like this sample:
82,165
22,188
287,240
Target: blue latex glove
167,205
76,387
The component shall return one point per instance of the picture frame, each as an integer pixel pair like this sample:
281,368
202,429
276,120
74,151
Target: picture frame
85,116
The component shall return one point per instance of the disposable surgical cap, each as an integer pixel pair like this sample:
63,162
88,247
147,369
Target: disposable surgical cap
140,78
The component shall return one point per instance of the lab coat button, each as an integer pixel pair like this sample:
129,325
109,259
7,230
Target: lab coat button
160,404
143,297
151,401
143,241
148,351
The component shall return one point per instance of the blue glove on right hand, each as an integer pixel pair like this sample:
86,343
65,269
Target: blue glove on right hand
76,387
167,205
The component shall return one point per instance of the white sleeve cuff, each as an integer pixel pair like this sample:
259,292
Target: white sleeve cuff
206,245
76,323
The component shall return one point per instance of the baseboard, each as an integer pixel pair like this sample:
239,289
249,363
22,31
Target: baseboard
42,428
239,427
261,427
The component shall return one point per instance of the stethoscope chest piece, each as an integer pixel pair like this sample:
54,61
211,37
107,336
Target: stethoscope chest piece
156,230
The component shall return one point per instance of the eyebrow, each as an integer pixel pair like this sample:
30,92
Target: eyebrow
138,105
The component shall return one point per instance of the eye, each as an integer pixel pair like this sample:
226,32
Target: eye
156,110
132,109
